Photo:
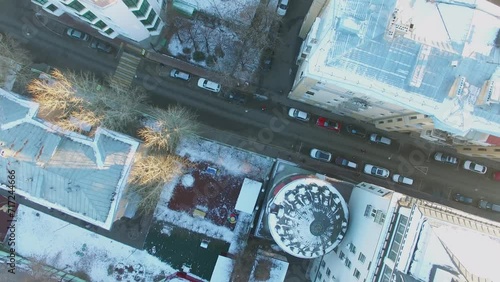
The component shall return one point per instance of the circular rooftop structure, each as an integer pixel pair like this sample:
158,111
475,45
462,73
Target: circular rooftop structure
307,217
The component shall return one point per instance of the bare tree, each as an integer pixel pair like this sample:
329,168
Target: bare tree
151,173
171,125
15,61
73,100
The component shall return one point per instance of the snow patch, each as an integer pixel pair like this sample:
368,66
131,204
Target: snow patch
187,180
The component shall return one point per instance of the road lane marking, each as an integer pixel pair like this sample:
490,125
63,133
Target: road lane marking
422,169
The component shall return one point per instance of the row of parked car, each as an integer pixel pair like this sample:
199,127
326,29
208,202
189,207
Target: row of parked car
202,82
483,204
467,165
95,43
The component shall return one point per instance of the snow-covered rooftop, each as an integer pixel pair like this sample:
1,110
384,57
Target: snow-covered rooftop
222,270
70,172
307,217
247,198
415,48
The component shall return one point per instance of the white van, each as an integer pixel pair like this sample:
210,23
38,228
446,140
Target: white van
180,75
398,178
208,85
375,138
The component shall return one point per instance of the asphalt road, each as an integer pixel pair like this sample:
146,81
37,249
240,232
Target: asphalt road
270,128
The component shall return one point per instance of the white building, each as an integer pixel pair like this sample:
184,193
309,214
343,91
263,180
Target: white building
393,237
134,19
431,67
80,176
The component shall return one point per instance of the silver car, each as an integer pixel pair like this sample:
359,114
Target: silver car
376,171
321,155
440,157
298,114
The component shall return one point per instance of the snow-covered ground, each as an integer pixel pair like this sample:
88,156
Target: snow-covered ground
237,11
277,272
236,162
66,245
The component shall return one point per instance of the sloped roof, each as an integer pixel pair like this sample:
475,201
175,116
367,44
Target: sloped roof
81,176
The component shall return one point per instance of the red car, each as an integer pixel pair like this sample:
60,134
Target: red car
328,124
496,176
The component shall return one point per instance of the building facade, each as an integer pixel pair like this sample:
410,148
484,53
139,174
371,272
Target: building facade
133,19
393,237
413,62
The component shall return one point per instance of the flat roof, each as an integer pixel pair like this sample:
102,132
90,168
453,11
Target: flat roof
247,198
222,270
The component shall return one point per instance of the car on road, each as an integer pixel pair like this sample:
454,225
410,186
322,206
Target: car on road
73,33
208,85
496,176
472,166
282,7
298,114
447,159
489,206
180,75
358,131
345,162
321,155
462,199
398,178
267,59
379,139
101,46
328,124
376,171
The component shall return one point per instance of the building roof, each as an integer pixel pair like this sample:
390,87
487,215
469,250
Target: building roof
415,47
78,175
308,217
222,269
250,190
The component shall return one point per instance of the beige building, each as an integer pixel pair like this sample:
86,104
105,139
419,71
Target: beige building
408,66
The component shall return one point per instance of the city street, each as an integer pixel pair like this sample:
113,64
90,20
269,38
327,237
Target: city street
269,132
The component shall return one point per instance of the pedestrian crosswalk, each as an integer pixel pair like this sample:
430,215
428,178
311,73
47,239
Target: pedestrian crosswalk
126,69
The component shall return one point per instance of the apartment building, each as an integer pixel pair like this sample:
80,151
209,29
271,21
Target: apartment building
414,62
393,237
133,19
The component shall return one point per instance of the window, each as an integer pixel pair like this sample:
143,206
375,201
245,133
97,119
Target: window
381,122
389,120
109,31
309,92
155,27
400,119
341,255
347,263
397,238
323,264
413,117
89,16
336,249
328,271
100,25
356,273
149,19
52,8
77,6
386,274
361,257
352,248
41,2
131,3
320,275
142,11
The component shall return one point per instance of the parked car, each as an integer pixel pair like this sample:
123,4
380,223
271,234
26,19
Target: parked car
462,199
282,7
180,75
267,58
398,178
360,132
489,206
379,139
298,114
496,176
376,171
73,33
347,163
237,98
208,85
101,46
321,155
328,124
440,157
472,166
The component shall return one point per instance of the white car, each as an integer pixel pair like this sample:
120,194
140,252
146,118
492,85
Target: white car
472,166
376,171
208,85
282,7
298,114
440,157
398,178
321,155
73,33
